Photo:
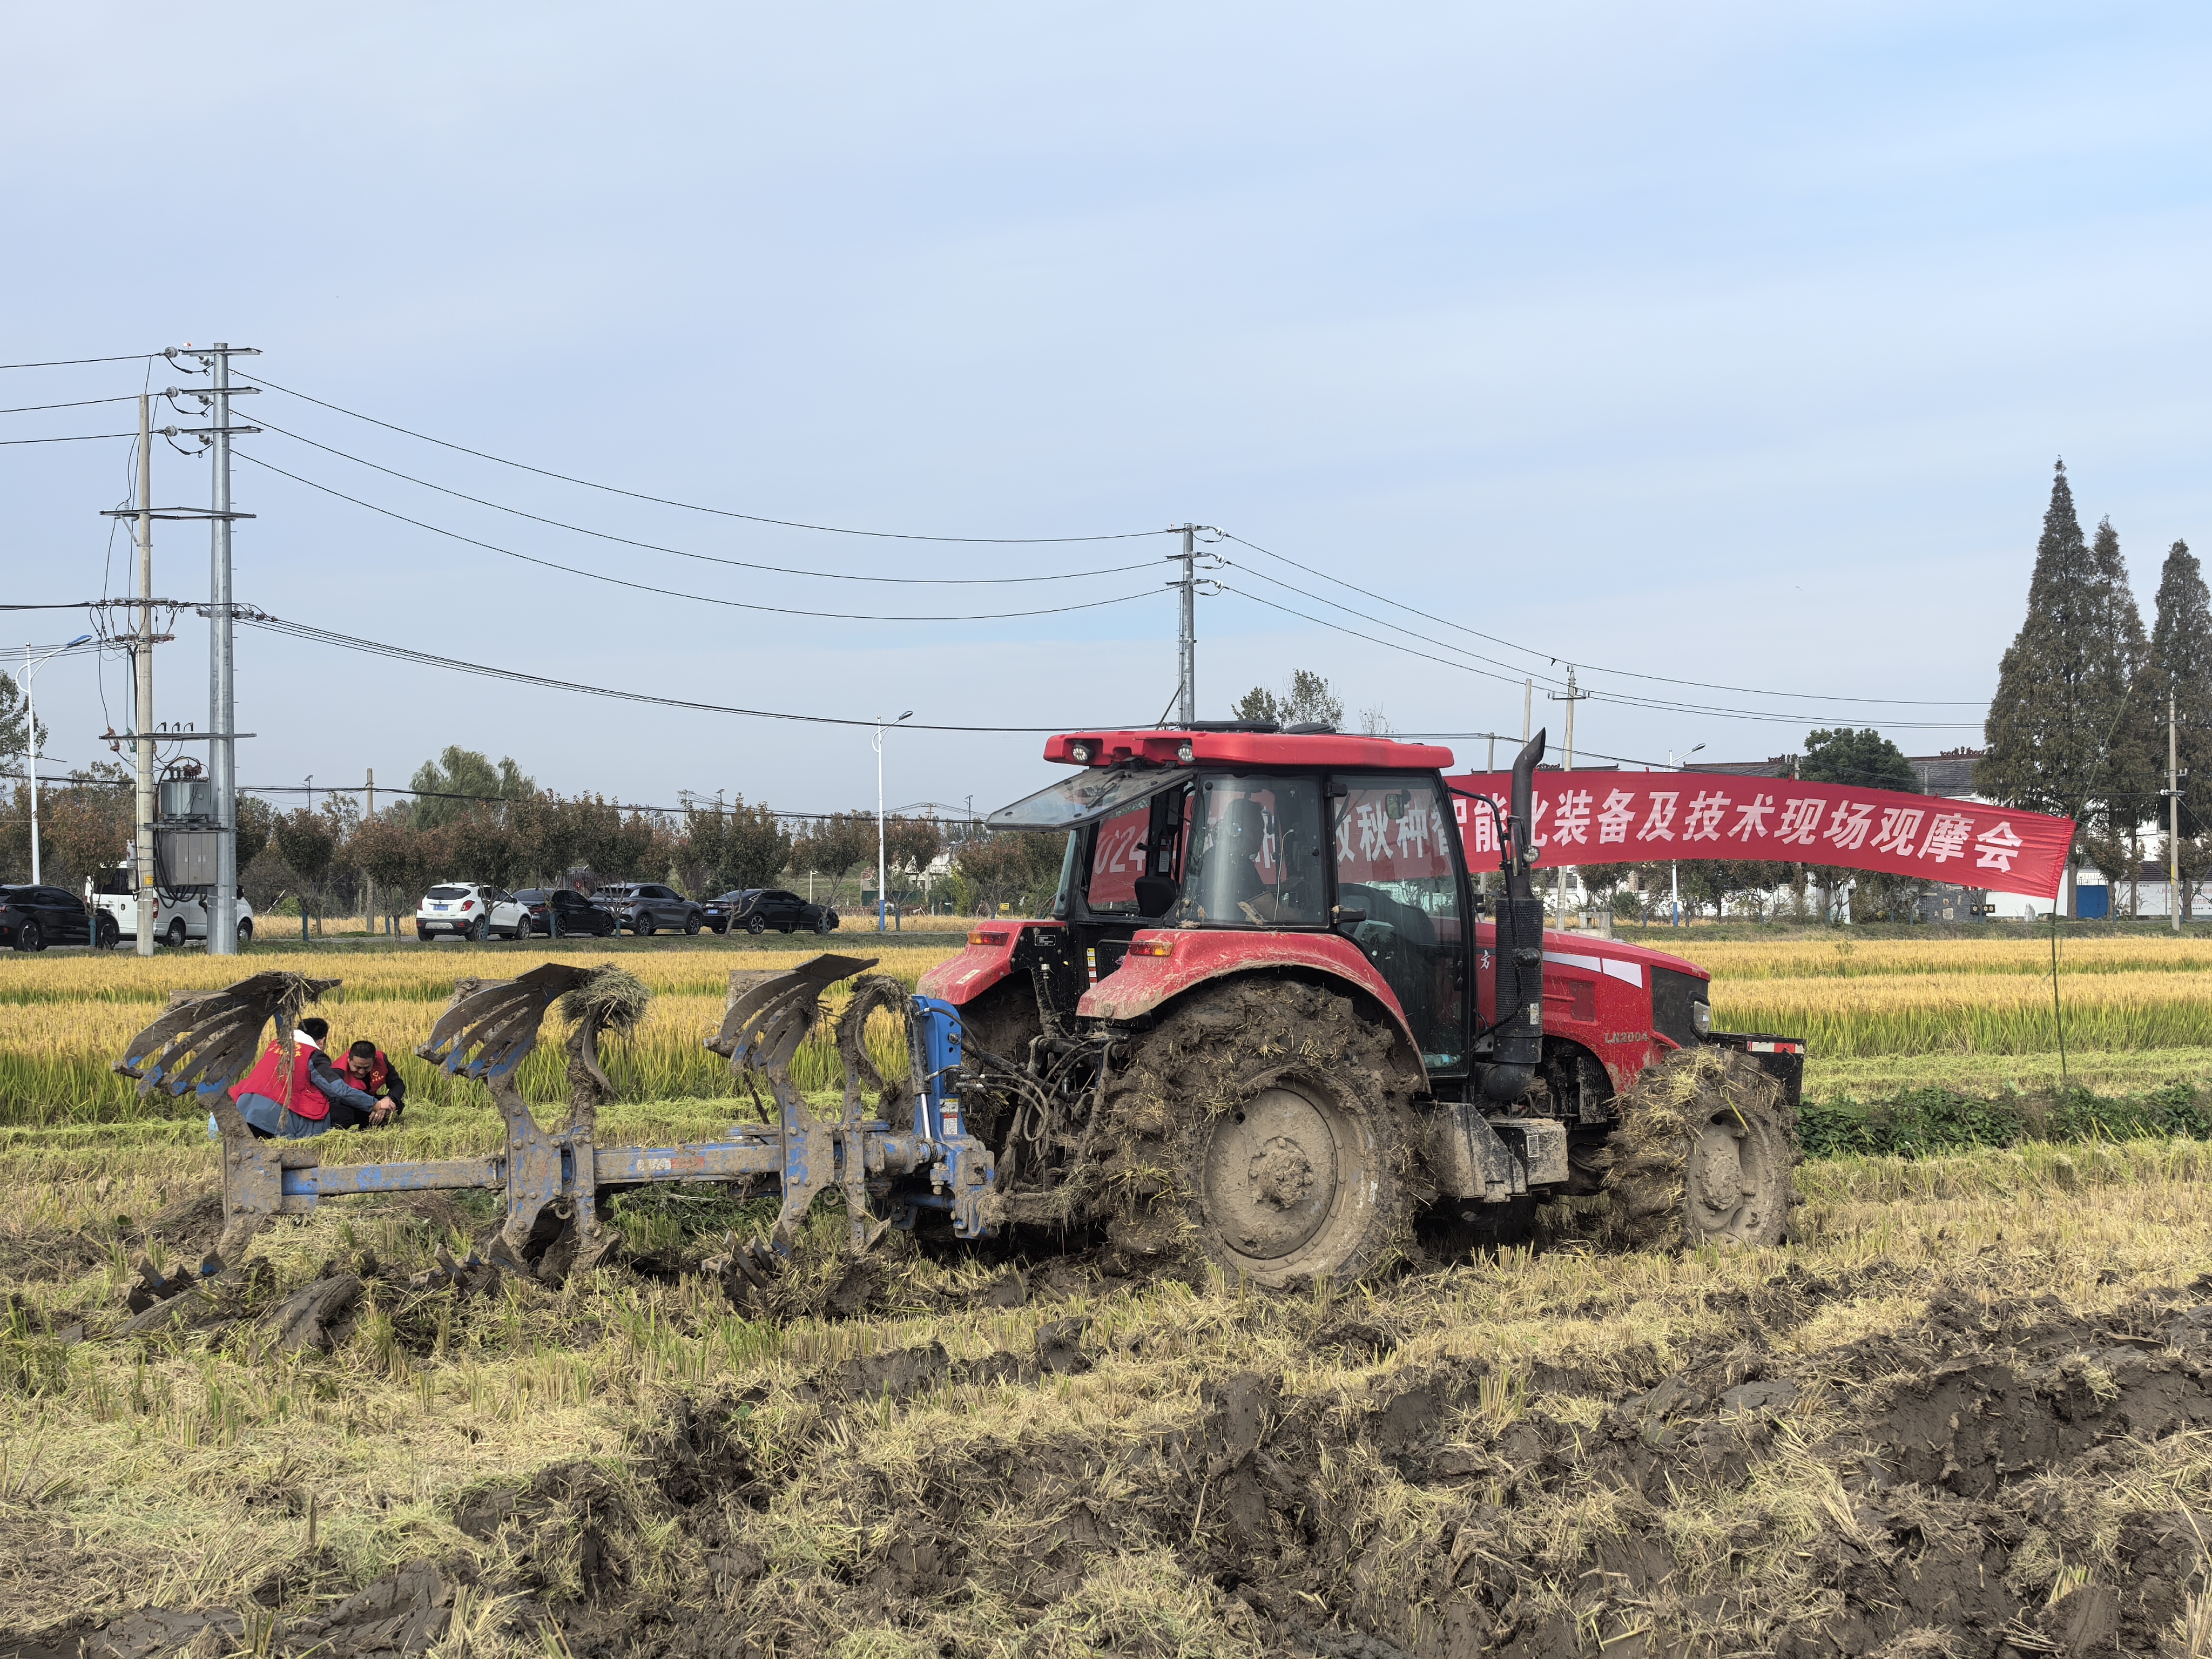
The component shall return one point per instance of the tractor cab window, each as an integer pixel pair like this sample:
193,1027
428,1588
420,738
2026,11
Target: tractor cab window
1136,854
1395,866
1254,854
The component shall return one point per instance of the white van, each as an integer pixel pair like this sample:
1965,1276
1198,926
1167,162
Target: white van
180,913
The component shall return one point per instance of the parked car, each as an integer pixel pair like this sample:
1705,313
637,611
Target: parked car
468,909
647,907
180,913
757,910
32,918
577,915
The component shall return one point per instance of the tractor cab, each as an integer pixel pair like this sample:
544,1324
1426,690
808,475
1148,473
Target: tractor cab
1243,831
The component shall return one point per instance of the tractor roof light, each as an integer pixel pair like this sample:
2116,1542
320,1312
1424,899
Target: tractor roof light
1185,753
1080,753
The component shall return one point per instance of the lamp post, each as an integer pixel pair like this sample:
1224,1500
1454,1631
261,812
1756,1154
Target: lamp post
1673,866
30,665
880,871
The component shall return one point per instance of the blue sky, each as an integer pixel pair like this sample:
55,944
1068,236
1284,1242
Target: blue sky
1733,345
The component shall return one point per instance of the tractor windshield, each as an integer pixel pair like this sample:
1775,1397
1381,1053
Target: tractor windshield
1079,799
1256,853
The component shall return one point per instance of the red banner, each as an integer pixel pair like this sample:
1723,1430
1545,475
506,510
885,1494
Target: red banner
1650,818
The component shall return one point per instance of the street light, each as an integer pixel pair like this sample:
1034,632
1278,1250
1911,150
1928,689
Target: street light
31,736
1673,868
880,871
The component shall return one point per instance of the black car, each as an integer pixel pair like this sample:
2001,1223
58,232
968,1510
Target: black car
577,915
32,918
645,906
757,910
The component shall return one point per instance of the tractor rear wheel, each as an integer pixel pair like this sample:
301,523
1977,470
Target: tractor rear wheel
1703,1155
1262,1128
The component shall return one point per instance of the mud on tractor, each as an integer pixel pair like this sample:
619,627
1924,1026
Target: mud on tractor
1270,1025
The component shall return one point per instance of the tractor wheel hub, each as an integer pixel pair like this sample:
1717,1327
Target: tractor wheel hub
1270,1173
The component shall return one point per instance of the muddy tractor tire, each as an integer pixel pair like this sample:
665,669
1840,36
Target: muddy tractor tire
1261,1126
1702,1155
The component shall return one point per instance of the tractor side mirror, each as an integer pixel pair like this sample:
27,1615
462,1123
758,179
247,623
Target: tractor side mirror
1346,915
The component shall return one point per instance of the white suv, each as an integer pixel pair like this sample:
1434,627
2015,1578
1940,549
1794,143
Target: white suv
469,909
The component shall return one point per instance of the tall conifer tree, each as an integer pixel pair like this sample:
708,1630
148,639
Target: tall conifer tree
2127,791
2063,684
2181,663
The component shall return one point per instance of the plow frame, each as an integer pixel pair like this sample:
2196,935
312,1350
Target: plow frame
886,1173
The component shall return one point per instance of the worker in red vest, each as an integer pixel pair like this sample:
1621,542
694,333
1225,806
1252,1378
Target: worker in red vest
289,1097
368,1070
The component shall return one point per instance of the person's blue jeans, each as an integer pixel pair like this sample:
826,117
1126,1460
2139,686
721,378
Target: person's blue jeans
274,1118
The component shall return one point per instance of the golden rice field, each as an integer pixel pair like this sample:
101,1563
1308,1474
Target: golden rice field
1878,1015
63,1019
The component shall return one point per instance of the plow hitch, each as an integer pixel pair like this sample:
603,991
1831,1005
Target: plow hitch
889,1159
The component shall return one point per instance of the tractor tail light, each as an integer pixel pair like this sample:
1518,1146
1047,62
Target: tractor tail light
1152,947
987,936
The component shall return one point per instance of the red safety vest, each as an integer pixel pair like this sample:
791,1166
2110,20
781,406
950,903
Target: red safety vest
379,1072
297,1091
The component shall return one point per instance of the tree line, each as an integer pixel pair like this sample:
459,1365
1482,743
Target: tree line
466,818
2078,727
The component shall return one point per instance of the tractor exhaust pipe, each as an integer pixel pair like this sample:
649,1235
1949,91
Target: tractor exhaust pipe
1517,961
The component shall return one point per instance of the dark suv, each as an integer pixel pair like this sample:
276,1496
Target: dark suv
647,907
576,914
757,910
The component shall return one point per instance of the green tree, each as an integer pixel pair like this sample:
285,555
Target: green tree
257,822
2063,684
1020,867
835,844
1862,759
309,842
732,848
447,787
11,724
2135,749
2180,669
1306,700
1865,759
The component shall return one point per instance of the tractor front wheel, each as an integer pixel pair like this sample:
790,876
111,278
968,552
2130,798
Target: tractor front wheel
1263,1128
1703,1155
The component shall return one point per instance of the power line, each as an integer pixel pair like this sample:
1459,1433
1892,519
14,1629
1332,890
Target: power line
81,438
678,593
681,553
1613,697
71,362
403,653
81,403
1627,673
694,506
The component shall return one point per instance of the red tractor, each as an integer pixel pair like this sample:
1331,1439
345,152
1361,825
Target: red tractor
1274,1021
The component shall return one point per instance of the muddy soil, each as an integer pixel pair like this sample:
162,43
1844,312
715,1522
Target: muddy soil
1904,1492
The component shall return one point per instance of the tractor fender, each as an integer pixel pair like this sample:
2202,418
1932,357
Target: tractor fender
1145,984
989,958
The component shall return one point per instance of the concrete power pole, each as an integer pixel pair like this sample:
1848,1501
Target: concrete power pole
1571,697
142,667
1187,636
222,701
2172,813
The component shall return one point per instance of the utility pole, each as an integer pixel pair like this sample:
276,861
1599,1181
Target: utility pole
1528,706
142,667
2173,811
369,905
222,701
1571,697
1187,636
882,890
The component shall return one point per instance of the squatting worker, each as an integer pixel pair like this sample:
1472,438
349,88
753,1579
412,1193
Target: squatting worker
292,1097
368,1070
